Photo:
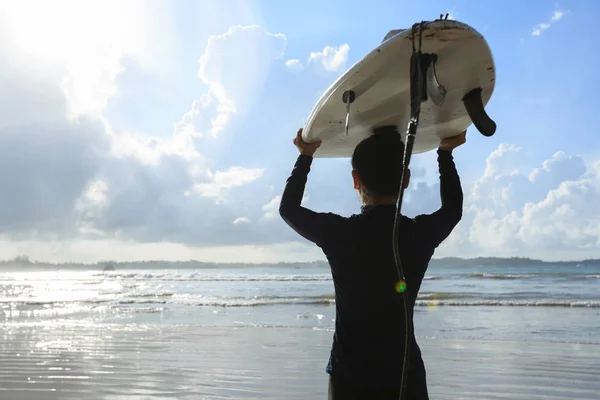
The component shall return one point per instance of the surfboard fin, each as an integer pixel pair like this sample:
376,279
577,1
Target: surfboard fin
474,105
348,98
436,91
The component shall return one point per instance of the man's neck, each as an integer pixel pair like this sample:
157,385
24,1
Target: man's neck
381,201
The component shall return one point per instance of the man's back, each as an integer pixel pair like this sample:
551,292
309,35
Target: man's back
369,338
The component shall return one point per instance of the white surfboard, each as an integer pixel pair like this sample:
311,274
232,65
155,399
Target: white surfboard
381,85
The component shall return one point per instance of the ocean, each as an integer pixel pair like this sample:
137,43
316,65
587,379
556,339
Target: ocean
133,317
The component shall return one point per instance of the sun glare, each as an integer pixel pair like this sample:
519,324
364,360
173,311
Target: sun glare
49,30
85,39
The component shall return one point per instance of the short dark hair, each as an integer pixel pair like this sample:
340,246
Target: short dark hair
378,161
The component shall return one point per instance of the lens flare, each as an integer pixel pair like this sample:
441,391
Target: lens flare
400,286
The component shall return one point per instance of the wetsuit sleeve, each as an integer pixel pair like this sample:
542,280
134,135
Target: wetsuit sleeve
313,226
436,227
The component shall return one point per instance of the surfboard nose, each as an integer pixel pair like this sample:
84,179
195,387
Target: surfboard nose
392,33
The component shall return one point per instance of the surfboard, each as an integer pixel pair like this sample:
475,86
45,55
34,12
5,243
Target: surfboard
380,83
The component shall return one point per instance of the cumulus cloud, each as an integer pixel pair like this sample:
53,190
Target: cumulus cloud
90,204
75,176
547,211
333,59
294,65
514,209
557,16
169,189
272,207
230,85
224,180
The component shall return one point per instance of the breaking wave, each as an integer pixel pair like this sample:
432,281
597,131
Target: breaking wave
206,277
448,299
566,276
219,277
508,303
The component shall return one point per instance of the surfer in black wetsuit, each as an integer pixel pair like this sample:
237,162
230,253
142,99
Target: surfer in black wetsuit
367,352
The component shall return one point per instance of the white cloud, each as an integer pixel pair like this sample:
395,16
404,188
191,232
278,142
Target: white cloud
231,85
546,212
294,65
152,150
173,168
503,161
537,31
91,204
87,179
333,59
225,180
96,193
557,16
272,207
241,220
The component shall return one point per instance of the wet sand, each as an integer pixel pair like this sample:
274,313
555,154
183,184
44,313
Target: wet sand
122,361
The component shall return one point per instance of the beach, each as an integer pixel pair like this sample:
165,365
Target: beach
266,334
267,363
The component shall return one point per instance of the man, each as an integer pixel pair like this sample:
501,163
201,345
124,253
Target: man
368,344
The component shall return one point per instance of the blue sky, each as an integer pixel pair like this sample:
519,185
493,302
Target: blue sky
163,129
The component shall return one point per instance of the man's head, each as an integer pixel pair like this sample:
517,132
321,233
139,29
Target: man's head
377,166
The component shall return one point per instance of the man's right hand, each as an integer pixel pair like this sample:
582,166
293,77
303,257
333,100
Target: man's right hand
307,149
451,143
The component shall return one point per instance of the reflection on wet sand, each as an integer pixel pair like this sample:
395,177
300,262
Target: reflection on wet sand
180,362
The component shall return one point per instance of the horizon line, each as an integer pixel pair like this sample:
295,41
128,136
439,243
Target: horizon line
27,260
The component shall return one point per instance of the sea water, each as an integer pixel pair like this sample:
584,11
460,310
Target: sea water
542,303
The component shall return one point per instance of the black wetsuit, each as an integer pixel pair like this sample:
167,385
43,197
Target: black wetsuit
366,356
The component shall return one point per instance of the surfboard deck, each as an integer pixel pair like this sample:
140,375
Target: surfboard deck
381,85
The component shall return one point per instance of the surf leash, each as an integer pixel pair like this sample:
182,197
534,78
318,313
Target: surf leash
418,94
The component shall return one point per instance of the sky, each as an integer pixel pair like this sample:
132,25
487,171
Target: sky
162,130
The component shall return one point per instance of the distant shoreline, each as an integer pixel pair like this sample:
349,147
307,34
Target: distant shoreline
23,263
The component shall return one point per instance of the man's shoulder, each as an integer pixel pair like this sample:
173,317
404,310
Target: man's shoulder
336,217
334,221
409,222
